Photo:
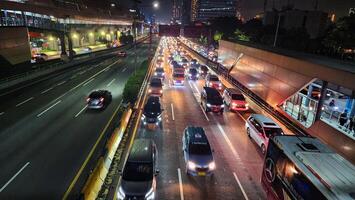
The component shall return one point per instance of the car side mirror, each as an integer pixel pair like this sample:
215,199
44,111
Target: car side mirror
157,172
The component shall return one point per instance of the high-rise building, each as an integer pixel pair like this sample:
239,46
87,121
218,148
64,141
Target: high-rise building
186,12
204,10
176,10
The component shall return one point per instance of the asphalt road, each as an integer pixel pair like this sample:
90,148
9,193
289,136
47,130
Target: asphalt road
238,159
46,133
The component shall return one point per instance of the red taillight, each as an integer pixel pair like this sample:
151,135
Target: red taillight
101,99
87,99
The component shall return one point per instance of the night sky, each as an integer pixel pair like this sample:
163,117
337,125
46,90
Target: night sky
252,7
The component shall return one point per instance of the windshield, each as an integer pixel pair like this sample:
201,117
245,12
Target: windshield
156,83
214,78
200,149
178,75
193,71
159,70
269,132
238,97
136,171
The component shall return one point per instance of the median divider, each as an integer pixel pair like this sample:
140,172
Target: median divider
99,183
97,177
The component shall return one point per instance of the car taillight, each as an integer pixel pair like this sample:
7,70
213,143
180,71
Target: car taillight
211,84
101,99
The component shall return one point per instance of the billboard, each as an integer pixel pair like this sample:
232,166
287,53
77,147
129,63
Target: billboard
169,30
351,11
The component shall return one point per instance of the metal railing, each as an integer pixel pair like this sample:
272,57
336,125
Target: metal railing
224,72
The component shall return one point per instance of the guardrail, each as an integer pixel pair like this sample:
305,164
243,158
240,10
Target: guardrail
223,71
44,68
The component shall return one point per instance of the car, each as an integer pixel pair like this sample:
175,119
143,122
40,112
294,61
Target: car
203,70
197,152
235,100
159,73
260,128
122,54
213,81
39,57
193,61
152,110
160,57
211,100
98,99
139,173
192,74
178,78
155,87
178,69
87,49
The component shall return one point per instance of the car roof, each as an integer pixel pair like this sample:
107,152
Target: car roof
213,76
98,92
155,80
196,135
210,90
266,121
233,91
141,151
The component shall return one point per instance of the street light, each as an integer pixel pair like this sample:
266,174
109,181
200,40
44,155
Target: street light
156,4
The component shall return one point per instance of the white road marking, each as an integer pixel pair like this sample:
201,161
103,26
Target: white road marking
235,153
74,76
61,83
107,68
124,69
1,113
172,111
88,81
27,100
72,89
240,185
196,95
82,72
44,91
241,116
108,85
196,87
80,111
180,185
12,178
48,108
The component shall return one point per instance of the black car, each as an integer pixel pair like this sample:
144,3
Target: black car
152,112
193,74
211,100
203,70
99,99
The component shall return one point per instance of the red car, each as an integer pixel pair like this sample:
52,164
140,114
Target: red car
122,54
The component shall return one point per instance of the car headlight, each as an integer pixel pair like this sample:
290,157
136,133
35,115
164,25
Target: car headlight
150,194
163,74
161,91
120,194
220,84
191,165
150,90
212,165
155,73
211,84
222,106
208,105
246,105
197,75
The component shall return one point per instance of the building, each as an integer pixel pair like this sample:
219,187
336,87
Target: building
315,21
186,12
176,15
204,10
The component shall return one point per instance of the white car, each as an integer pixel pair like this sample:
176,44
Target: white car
260,128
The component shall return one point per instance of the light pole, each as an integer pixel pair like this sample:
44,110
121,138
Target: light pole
277,28
136,14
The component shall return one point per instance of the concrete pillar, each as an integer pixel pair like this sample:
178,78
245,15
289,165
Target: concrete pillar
62,43
70,47
323,92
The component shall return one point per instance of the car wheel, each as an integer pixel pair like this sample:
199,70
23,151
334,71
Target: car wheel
248,132
263,149
221,112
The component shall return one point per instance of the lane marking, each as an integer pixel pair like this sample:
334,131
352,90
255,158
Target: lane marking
12,178
80,111
44,91
172,111
82,72
107,69
72,77
180,185
240,185
235,153
1,113
198,102
108,85
25,101
123,70
67,192
48,108
88,81
61,83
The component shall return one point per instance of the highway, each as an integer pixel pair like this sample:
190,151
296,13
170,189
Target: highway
46,132
238,159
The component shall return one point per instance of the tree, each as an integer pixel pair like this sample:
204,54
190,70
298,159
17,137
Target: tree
295,39
252,28
226,26
342,35
239,35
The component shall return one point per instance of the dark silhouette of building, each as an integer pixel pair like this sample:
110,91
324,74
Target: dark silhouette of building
204,10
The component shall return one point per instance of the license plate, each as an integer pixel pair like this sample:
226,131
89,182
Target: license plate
201,173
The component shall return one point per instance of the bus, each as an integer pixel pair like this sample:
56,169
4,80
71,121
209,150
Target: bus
300,167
